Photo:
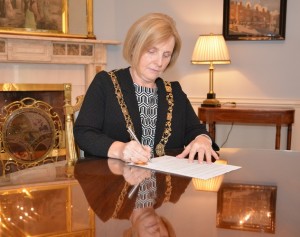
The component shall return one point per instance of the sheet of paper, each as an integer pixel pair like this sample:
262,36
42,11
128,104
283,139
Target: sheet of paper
173,165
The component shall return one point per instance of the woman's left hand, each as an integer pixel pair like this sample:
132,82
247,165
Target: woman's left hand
202,146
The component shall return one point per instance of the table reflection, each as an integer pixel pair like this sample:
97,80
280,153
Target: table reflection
106,184
164,204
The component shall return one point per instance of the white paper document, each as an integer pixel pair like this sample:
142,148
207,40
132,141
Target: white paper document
173,165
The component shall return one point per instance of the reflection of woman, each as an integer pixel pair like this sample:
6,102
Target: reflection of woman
106,184
146,222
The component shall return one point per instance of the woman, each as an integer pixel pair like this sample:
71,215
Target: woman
136,97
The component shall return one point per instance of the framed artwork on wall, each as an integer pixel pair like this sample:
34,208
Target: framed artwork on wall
247,207
57,18
254,19
32,16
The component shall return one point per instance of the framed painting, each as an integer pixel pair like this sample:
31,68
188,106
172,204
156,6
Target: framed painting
47,18
254,20
247,207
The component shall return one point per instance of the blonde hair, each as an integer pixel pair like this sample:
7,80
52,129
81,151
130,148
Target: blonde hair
145,32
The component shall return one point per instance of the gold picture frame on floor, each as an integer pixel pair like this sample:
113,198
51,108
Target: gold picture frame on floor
57,18
247,207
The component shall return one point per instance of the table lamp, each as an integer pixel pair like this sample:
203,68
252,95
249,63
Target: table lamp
211,49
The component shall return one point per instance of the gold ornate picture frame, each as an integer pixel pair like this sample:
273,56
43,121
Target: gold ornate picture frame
247,207
57,18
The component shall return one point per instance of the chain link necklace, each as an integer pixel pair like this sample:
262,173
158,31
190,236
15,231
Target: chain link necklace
160,147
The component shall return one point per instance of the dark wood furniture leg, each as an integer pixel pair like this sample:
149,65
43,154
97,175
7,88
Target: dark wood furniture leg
289,137
277,140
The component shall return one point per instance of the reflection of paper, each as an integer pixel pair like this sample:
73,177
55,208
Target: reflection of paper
173,165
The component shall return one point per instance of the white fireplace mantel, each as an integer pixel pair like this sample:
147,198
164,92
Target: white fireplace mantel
55,50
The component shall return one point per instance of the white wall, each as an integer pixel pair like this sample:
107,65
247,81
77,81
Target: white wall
261,72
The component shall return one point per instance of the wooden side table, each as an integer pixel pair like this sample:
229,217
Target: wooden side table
250,115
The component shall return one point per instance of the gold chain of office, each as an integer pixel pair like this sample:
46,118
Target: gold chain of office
160,147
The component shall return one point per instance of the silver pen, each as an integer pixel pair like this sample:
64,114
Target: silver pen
132,191
135,187
133,135
135,138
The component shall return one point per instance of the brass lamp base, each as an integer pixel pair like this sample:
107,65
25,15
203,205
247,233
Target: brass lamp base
211,101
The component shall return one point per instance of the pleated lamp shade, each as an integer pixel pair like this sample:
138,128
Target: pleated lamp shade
210,49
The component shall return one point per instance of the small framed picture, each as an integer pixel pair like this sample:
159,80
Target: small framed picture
247,207
254,20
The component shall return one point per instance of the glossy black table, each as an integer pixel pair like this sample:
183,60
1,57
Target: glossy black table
95,202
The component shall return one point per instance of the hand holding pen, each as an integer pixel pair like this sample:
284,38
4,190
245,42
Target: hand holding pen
135,187
140,157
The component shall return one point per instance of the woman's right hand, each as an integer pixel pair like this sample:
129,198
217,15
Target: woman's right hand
130,152
134,152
